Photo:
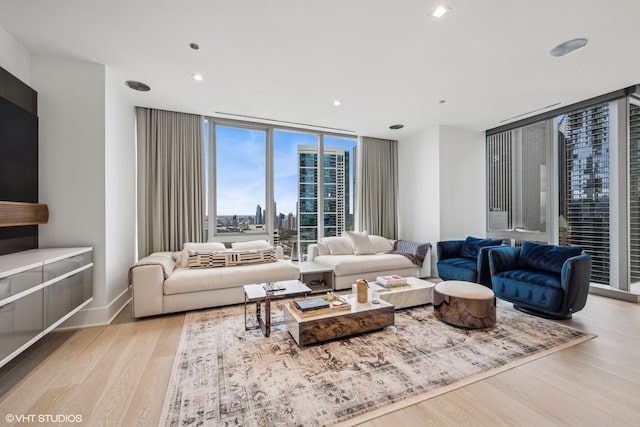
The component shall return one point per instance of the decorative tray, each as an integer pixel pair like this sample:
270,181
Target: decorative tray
342,305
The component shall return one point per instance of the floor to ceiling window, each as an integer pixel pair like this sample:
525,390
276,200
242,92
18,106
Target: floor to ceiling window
289,186
592,200
583,151
634,191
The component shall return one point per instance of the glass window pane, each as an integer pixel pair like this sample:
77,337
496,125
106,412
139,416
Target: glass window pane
583,146
517,178
240,178
289,176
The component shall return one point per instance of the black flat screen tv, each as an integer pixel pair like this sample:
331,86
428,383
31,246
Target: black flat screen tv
18,171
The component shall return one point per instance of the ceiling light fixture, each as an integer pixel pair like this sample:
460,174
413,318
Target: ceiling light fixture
198,77
337,103
567,47
440,11
138,86
396,127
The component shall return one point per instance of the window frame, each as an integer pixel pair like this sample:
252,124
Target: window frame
269,128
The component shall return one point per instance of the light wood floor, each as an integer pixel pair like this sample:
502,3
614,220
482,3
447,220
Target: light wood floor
118,375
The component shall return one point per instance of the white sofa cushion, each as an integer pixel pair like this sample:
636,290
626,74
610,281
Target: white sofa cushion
360,242
185,280
323,248
380,244
339,245
355,264
200,247
253,244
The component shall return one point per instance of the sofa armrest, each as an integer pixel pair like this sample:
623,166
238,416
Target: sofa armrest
575,279
449,249
503,258
147,284
312,251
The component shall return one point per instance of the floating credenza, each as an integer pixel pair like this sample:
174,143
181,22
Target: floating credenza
14,214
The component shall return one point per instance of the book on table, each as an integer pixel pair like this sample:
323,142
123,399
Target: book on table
391,281
312,304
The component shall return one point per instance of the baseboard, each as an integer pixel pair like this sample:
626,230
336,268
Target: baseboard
609,292
97,316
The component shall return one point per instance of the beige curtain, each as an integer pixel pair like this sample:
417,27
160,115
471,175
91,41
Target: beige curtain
170,180
376,197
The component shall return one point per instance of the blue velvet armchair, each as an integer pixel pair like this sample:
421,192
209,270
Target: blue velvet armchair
465,260
546,280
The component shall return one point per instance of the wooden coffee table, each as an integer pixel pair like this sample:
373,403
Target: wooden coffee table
257,294
310,328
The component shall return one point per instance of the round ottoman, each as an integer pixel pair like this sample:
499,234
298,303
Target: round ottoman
464,304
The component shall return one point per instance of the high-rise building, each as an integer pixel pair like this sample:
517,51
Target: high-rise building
259,218
336,198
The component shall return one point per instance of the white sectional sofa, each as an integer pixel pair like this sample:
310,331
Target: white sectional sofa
363,256
164,283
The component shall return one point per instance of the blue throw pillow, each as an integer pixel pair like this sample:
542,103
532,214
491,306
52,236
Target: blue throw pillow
538,256
471,246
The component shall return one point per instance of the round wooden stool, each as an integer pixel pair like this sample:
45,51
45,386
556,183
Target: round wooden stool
464,304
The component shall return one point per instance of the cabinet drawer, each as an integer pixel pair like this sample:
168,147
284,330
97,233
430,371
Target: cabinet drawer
16,283
64,296
66,265
20,321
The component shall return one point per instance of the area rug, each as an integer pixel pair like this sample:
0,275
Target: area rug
224,375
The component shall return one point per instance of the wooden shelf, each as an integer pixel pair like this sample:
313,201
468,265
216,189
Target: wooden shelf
16,214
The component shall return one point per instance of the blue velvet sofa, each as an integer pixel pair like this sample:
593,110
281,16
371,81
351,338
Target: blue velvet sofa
546,280
465,260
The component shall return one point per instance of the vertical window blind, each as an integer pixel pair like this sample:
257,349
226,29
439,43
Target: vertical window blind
634,192
584,178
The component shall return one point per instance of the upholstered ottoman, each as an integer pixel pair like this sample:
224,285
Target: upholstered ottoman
464,304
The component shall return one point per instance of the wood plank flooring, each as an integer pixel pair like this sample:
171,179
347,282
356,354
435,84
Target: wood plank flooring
118,374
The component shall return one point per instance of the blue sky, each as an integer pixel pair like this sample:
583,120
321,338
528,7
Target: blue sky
241,168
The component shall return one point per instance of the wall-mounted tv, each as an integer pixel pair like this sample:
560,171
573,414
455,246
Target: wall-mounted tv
18,157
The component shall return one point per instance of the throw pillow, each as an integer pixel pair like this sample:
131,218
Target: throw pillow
199,259
203,247
254,244
339,245
540,256
380,244
471,246
323,248
360,242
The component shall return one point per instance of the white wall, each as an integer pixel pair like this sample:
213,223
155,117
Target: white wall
441,186
71,156
462,183
120,189
87,174
14,57
419,190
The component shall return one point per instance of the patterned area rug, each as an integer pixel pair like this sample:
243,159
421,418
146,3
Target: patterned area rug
224,375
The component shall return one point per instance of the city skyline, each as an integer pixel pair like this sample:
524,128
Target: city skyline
241,175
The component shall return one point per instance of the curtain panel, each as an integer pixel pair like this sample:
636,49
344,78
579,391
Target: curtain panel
171,190
376,198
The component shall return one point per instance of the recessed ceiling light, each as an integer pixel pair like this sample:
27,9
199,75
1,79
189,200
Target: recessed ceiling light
138,86
337,103
440,11
194,46
198,77
396,127
567,47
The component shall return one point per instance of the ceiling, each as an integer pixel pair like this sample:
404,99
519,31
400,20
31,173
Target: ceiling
388,61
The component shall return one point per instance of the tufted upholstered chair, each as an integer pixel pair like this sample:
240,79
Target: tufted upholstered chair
465,260
546,280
